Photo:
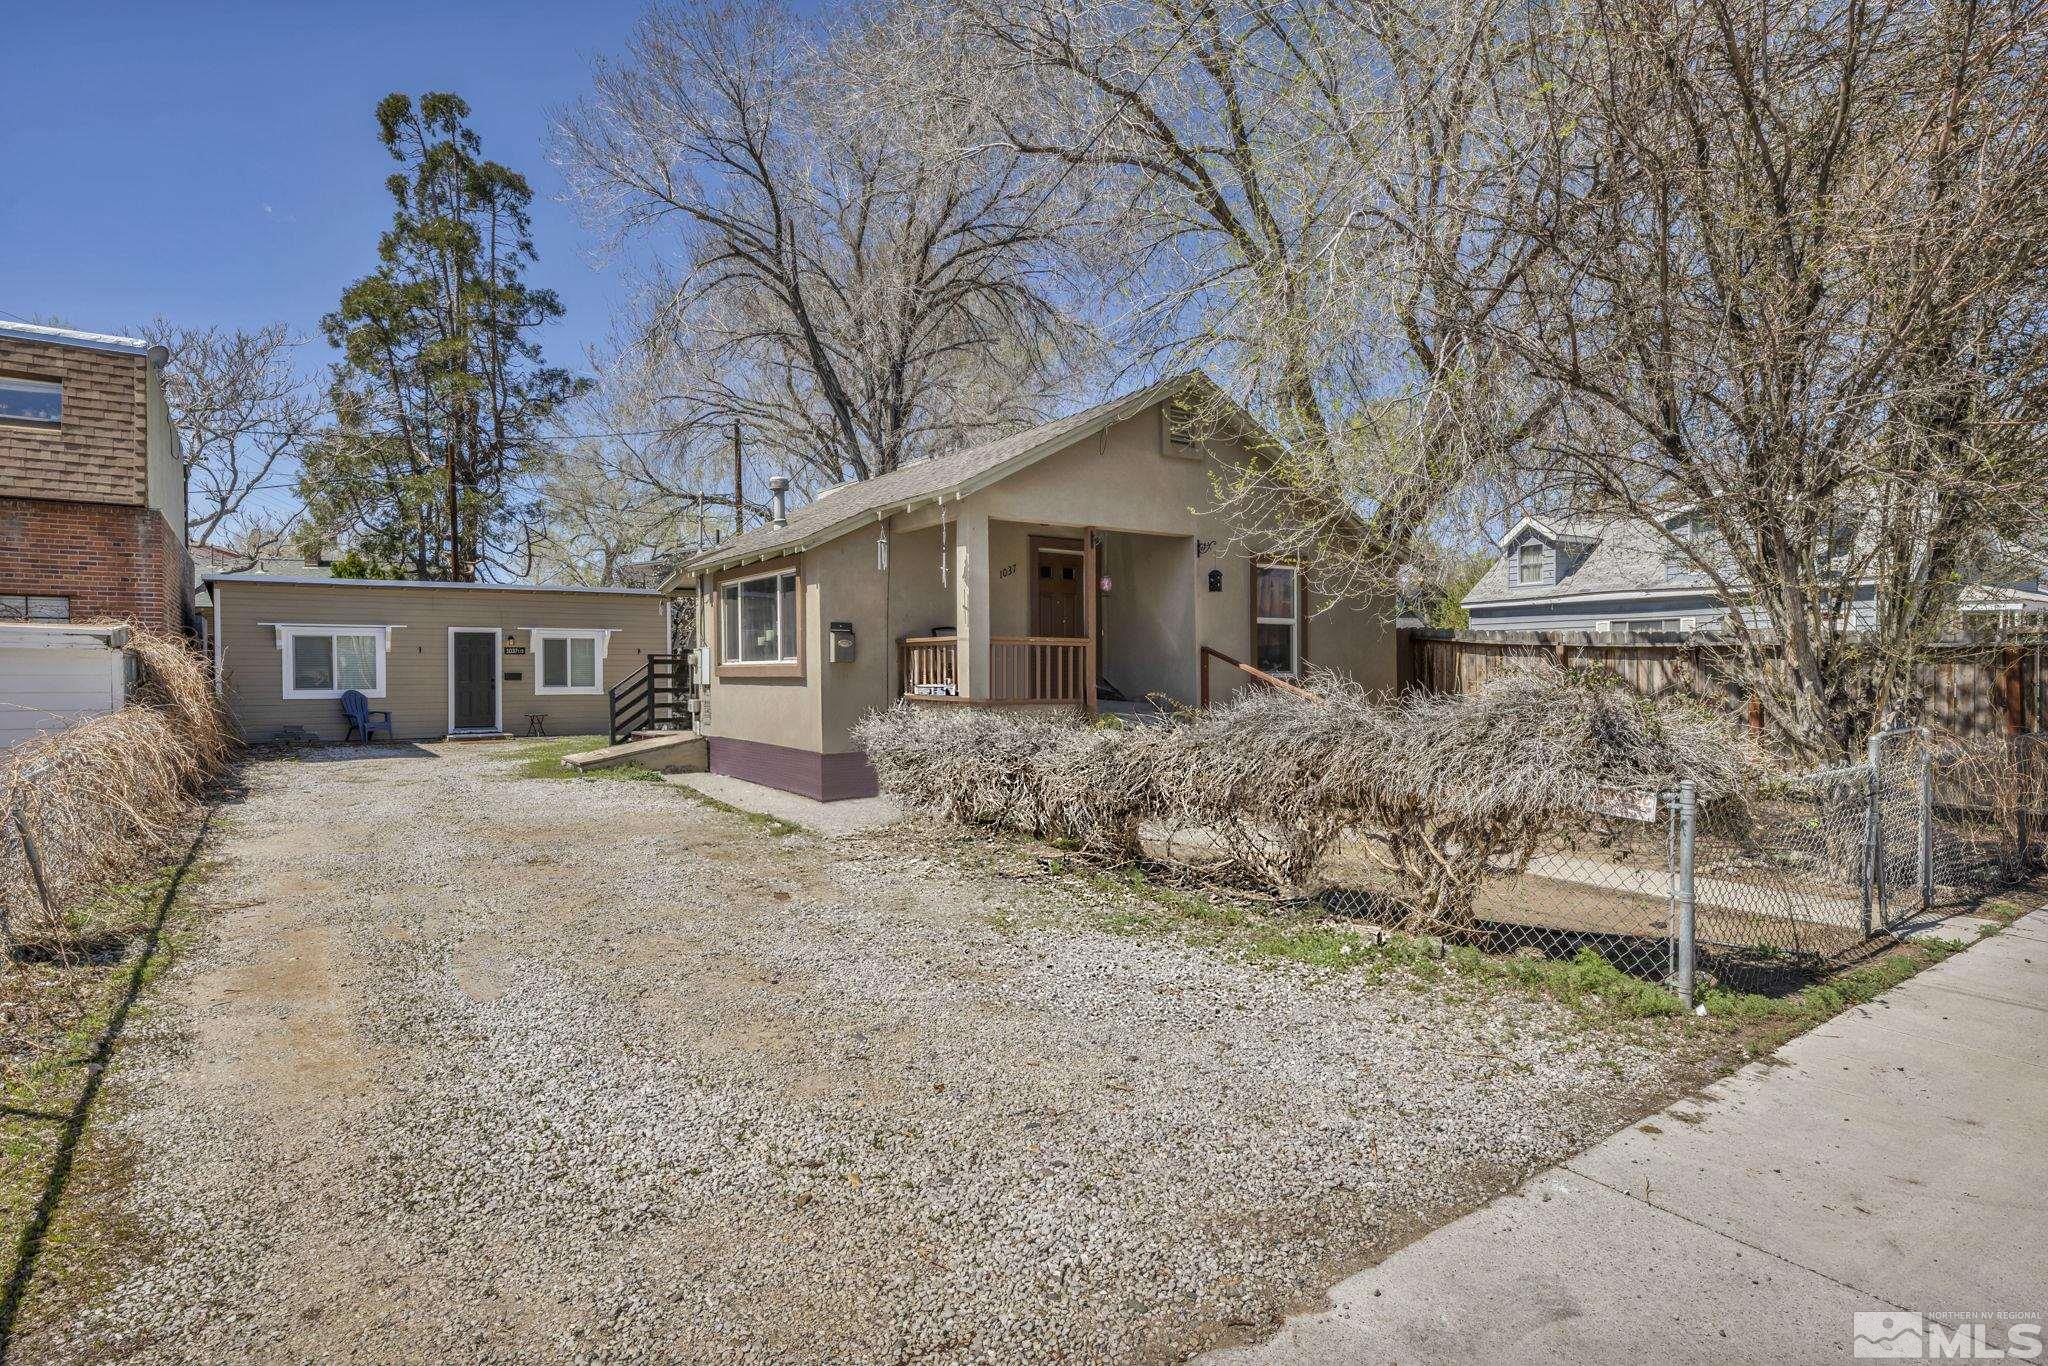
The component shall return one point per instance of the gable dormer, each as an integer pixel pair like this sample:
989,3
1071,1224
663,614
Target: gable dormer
1541,556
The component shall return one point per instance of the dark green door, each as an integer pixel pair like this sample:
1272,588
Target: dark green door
476,680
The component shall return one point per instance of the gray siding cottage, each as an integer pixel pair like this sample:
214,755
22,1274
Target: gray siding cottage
1620,577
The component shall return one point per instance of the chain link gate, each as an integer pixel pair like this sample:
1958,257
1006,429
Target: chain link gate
1761,893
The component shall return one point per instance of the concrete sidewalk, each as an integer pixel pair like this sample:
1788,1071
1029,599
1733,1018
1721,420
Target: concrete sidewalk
1894,1159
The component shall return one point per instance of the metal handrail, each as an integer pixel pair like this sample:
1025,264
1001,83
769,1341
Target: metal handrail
1258,675
638,700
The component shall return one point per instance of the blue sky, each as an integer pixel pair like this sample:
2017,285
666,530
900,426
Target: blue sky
218,164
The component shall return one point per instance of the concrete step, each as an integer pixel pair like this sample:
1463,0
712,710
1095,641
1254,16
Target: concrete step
664,751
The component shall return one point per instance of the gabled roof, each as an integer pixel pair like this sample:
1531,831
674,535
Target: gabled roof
1554,529
1626,557
847,507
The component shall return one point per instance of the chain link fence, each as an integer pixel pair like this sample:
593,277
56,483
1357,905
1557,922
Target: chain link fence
1764,893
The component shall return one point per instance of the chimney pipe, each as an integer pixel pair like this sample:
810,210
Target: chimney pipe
778,513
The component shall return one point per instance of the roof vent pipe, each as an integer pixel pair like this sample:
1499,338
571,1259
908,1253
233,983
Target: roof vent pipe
778,512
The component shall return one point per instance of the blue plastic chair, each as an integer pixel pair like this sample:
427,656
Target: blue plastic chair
356,708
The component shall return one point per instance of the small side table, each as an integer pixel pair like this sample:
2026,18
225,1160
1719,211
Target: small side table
537,723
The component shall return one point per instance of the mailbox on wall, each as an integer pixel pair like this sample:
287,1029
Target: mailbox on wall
842,642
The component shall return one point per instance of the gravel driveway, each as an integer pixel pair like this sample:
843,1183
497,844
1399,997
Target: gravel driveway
482,1067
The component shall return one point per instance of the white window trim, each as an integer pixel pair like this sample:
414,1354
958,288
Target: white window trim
497,636
537,634
1293,623
788,634
288,631
1542,575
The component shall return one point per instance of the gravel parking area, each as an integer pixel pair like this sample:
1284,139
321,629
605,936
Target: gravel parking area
489,1068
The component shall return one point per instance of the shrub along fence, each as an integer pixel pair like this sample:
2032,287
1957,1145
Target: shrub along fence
1547,812
87,807
1763,888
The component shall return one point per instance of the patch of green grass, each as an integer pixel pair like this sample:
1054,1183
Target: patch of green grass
544,760
773,825
1131,902
1290,934
65,1236
1824,1000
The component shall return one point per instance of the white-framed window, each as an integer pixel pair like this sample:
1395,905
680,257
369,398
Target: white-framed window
31,400
1276,608
757,619
1529,562
327,661
568,661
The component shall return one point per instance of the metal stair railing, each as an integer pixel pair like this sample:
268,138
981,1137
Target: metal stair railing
656,697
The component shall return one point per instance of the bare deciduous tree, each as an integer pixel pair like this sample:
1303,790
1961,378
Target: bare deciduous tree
628,492
859,275
1309,199
242,413
1792,315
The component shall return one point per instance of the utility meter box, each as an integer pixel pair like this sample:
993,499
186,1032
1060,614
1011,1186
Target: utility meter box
842,651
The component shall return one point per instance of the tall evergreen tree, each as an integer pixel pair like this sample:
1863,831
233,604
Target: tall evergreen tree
441,396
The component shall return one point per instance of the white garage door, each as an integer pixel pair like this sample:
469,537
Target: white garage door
51,684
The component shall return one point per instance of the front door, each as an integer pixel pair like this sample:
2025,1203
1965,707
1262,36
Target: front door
1055,587
476,680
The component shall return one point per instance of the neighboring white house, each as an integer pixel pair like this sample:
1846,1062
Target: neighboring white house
58,674
1622,577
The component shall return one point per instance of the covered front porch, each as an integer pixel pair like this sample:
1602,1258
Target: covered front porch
1047,615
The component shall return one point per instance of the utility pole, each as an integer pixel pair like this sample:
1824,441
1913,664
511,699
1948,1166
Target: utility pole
739,479
454,522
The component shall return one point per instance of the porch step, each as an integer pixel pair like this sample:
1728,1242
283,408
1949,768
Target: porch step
668,751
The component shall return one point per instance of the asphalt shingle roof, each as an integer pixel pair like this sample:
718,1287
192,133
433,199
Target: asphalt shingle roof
1625,557
847,506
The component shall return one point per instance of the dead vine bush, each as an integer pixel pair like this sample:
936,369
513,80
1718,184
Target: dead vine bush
1445,791
105,798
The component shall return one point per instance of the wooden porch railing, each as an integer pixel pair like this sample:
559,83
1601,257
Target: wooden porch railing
1256,675
1052,669
930,666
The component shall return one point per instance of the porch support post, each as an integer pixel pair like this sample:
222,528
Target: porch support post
1091,582
971,603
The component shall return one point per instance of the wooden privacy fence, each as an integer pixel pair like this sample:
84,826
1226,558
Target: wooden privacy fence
1972,688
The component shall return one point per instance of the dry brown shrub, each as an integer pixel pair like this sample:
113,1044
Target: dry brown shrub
104,799
1448,791
1455,790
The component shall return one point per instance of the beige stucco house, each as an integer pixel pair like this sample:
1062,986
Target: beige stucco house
1071,562
444,659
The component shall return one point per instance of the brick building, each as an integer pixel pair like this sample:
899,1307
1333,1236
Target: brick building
92,490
